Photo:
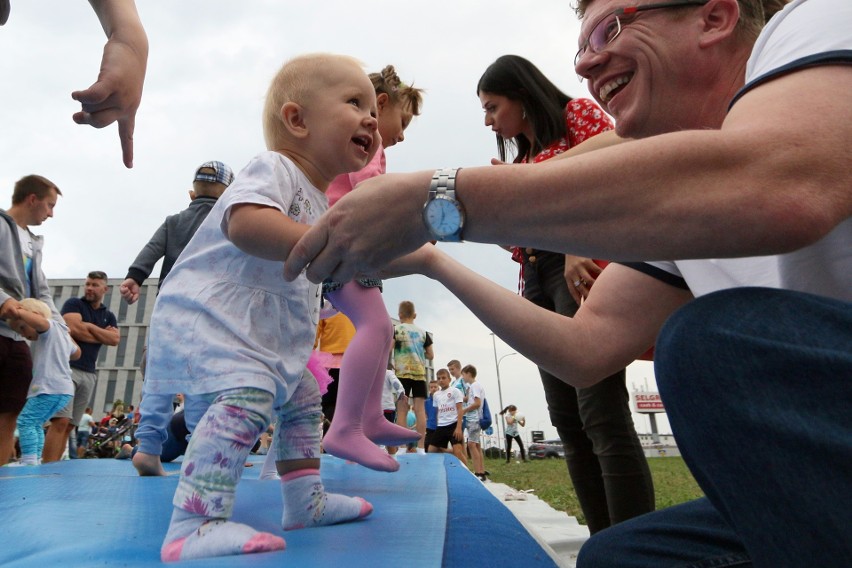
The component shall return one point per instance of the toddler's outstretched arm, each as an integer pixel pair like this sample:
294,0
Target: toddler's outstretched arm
262,231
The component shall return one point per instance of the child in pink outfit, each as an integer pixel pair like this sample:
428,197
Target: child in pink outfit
359,418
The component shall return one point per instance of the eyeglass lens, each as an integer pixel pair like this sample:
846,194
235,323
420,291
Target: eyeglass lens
603,33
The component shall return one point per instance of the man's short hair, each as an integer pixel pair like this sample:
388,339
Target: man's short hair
406,309
470,370
442,372
454,363
97,275
33,185
753,13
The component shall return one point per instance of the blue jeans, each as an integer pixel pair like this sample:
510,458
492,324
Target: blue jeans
758,390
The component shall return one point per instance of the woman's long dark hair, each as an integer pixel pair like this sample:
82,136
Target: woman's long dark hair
517,79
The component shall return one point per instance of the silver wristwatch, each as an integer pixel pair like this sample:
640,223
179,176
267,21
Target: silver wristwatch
443,214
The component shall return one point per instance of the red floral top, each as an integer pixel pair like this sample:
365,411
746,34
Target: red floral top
584,119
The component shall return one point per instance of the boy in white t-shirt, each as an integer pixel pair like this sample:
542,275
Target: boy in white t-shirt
448,402
474,395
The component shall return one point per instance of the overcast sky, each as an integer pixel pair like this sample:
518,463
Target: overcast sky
209,66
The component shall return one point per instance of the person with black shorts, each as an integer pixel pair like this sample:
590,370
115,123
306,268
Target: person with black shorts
448,402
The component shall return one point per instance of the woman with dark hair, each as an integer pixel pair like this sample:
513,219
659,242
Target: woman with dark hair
534,120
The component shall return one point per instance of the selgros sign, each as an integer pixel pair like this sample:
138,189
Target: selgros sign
646,401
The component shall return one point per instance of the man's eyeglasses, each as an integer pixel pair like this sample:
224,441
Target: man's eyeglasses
608,28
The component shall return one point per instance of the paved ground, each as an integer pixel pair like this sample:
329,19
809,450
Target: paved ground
556,531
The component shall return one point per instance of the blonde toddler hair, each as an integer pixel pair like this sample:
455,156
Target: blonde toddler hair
295,82
36,306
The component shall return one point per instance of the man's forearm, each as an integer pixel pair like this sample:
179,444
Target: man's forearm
747,189
104,336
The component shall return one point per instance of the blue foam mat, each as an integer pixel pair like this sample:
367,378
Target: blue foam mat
431,513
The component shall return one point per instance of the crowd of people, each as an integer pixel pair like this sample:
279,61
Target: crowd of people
728,229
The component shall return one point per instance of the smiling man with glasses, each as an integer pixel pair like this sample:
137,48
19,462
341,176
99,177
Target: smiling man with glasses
742,149
608,28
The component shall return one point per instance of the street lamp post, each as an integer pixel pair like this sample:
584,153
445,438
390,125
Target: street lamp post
500,441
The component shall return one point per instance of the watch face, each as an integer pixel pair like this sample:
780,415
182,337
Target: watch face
443,216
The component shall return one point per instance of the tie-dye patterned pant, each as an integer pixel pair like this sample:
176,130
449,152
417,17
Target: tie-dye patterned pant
225,426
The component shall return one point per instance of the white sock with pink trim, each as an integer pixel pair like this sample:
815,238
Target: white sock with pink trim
306,503
194,536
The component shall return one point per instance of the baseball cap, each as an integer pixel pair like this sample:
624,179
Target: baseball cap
222,173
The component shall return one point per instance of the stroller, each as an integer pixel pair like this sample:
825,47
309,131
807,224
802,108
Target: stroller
106,442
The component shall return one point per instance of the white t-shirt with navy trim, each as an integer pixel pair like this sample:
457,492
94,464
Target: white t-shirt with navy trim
805,33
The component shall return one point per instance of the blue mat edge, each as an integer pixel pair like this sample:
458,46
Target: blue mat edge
508,538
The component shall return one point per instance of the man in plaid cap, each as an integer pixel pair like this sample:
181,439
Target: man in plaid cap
210,181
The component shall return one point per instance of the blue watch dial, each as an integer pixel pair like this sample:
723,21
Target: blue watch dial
443,216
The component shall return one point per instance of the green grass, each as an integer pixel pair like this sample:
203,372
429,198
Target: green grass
673,483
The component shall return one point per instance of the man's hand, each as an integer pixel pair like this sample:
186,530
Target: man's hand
379,221
129,290
116,95
9,309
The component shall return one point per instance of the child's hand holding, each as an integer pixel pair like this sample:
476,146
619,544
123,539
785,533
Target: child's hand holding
417,262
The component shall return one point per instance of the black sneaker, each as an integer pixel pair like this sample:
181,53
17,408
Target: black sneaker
481,477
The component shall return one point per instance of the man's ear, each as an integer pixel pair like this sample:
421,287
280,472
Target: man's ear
720,21
192,195
293,117
382,100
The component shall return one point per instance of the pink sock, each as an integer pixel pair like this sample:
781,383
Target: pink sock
365,357
376,427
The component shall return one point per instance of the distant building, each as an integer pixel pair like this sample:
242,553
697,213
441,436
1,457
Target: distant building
118,367
659,445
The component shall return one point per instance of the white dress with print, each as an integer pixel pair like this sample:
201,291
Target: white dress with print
225,319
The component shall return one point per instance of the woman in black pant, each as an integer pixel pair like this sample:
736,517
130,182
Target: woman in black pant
536,121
